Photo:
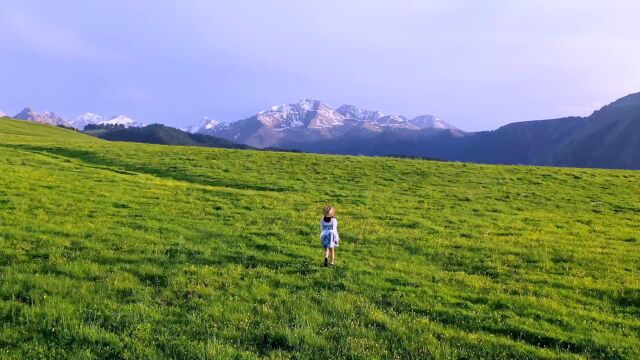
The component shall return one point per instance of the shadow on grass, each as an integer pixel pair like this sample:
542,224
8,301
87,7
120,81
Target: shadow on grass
468,321
94,160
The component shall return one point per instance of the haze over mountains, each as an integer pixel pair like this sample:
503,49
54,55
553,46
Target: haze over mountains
609,138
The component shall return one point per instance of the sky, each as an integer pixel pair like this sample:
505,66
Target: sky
477,64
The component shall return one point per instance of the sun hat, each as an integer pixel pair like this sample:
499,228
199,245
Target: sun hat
329,211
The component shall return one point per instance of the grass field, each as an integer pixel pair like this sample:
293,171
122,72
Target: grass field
132,251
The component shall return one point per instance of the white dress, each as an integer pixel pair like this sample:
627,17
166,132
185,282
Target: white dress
329,233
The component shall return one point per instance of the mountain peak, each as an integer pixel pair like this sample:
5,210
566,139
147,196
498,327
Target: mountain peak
302,105
429,121
86,119
94,119
309,113
26,114
355,113
309,103
206,125
121,120
46,117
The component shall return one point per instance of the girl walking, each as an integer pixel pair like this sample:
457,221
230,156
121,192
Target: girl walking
329,234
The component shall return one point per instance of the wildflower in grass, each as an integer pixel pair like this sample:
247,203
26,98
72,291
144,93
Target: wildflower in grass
329,234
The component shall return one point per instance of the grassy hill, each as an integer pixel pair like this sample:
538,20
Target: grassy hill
165,135
133,251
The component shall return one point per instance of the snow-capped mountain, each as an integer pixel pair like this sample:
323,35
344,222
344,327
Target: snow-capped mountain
79,122
206,125
86,119
376,117
311,121
3,114
121,120
352,112
95,119
430,121
46,117
395,121
306,113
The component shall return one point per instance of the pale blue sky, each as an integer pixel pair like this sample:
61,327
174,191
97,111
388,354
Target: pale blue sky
477,64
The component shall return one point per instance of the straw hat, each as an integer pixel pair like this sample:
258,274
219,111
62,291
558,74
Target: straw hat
329,211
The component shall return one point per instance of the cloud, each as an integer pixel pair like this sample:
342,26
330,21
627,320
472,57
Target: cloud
39,35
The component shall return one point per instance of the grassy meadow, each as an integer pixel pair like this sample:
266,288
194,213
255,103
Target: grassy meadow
130,251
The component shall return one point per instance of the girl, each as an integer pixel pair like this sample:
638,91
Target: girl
329,234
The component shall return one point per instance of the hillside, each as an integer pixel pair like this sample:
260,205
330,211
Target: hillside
118,250
160,134
609,138
433,143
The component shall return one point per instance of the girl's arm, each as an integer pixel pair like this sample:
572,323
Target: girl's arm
336,227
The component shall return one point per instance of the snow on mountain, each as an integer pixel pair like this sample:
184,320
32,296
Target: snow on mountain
353,112
312,120
121,120
86,119
3,114
430,121
79,122
306,113
395,121
376,117
95,119
207,125
46,117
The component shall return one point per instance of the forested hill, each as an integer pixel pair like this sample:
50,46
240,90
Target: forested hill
161,134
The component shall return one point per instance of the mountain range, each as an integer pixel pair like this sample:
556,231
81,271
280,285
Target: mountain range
79,123
608,138
307,122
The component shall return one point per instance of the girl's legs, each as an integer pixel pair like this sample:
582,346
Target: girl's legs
326,256
333,255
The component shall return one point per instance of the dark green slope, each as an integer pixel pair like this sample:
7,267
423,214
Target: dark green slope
530,142
608,138
429,143
160,134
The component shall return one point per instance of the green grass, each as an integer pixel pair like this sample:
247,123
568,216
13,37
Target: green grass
123,250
